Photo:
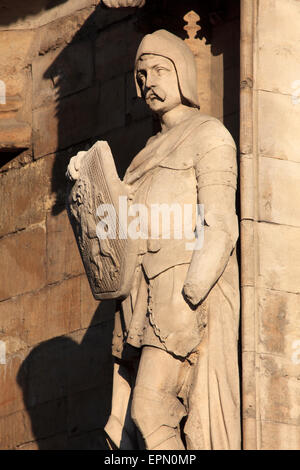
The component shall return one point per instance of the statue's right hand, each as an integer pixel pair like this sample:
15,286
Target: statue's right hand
73,169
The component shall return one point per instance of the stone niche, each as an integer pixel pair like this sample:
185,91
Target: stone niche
65,65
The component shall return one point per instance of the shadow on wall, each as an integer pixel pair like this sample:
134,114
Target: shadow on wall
22,10
67,388
67,385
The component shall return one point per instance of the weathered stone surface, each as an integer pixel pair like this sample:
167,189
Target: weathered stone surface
11,317
68,123
43,375
90,416
248,323
63,258
47,419
279,322
111,109
16,51
24,197
275,139
92,311
23,256
63,31
115,51
278,52
249,433
249,377
247,243
90,350
57,442
279,383
15,428
20,16
61,72
11,399
279,436
14,135
16,112
16,48
54,311
48,313
279,260
93,440
279,186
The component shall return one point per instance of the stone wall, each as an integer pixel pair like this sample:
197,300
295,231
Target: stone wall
270,173
68,76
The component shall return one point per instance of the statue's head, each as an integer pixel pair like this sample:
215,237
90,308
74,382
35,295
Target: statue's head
165,72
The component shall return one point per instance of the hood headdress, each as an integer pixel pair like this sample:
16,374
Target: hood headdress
168,45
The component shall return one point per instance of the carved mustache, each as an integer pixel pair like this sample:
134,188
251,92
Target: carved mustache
157,94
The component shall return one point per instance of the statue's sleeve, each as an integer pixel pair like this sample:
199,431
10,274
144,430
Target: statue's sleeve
216,173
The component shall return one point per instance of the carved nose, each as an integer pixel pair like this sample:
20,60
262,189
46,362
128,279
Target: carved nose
150,82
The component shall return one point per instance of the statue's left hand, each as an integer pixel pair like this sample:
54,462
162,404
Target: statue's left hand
74,166
191,292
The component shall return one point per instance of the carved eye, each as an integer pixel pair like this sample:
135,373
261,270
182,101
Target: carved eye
141,79
161,70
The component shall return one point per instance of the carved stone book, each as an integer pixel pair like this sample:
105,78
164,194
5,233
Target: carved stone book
93,207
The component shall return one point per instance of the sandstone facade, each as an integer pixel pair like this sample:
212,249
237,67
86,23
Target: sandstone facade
63,68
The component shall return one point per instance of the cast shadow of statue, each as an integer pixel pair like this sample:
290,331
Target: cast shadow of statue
67,384
14,10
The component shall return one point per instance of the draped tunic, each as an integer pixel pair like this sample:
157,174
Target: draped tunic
192,163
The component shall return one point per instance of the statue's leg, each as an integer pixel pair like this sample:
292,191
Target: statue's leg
156,409
120,428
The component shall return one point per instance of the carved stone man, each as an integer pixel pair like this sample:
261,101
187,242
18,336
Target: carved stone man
175,337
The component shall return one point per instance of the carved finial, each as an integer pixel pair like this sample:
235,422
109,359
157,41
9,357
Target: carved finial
192,28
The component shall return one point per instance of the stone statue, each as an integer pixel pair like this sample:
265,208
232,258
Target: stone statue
176,379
